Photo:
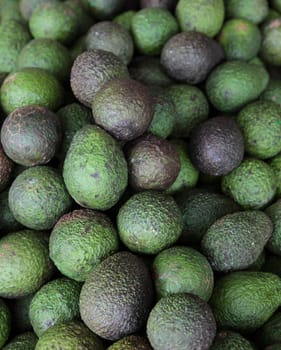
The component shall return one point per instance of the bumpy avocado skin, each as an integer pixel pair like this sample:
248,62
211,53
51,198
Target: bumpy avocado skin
131,342
24,341
38,197
226,340
95,163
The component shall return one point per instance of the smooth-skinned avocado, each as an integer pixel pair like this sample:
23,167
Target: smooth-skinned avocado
153,163
31,135
235,241
245,300
188,57
80,240
124,108
173,315
216,146
5,322
38,197
24,341
26,254
91,70
229,340
117,296
131,342
149,222
94,164
6,169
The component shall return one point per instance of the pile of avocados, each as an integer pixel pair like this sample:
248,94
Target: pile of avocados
140,175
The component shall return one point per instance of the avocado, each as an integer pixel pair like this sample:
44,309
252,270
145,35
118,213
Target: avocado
6,169
38,197
24,341
81,240
55,302
91,70
270,332
180,55
89,177
20,313
245,300
252,10
104,9
8,223
117,296
72,117
200,209
182,269
152,28
13,37
149,231
235,241
46,54
112,37
191,107
224,88
131,342
31,86
31,135
10,10
5,322
240,39
125,19
252,184
28,6
153,163
272,92
54,20
274,212
166,4
275,164
203,16
26,254
260,123
181,321
149,71
216,146
270,50
124,108
83,18
229,340
69,335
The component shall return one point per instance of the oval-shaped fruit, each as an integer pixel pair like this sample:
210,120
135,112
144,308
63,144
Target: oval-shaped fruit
95,170
117,296
131,342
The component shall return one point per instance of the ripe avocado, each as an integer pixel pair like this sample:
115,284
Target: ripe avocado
91,70
26,254
153,163
6,169
235,241
31,135
5,322
24,341
216,146
190,56
117,296
173,315
229,340
131,342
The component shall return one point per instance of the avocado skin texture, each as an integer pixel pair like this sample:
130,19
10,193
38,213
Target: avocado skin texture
91,70
275,164
260,123
8,223
90,237
274,212
112,37
233,84
229,340
56,302
173,315
29,262
131,342
252,10
13,37
31,135
252,184
40,205
200,209
216,146
24,341
124,108
245,300
205,16
31,86
149,231
235,241
5,322
94,164
190,56
153,163
69,335
117,296
6,169
182,270
125,19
